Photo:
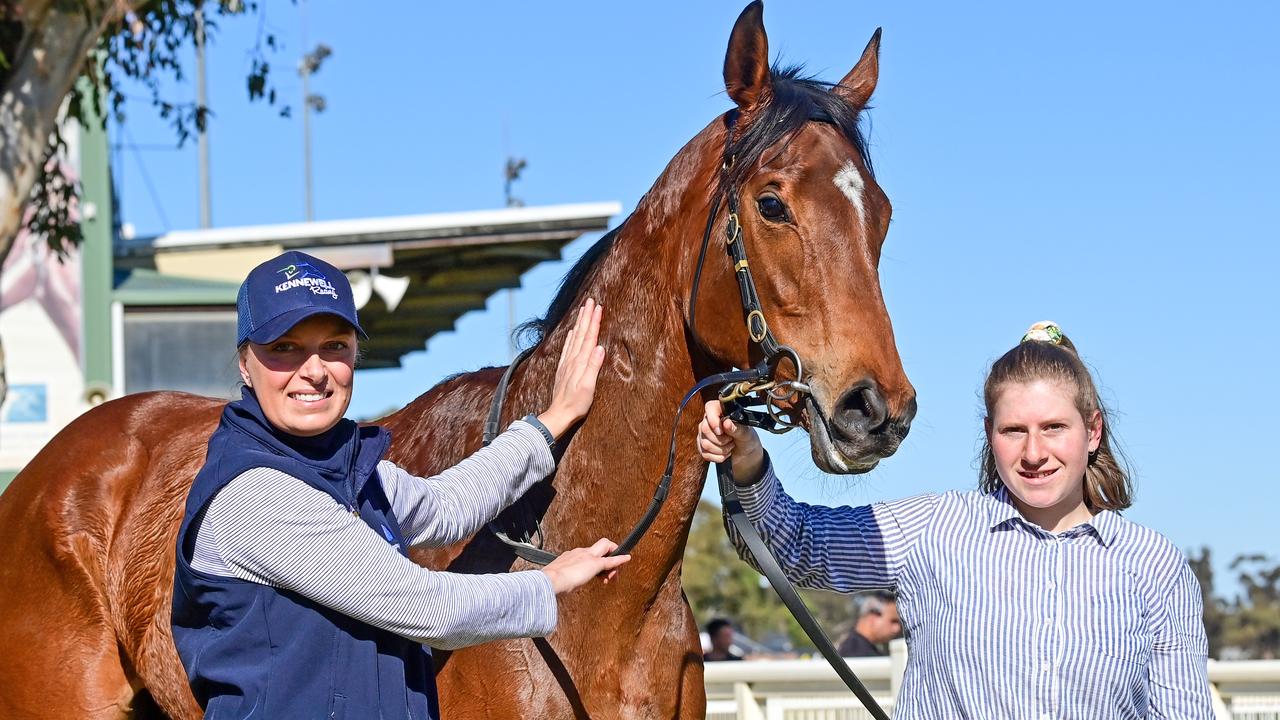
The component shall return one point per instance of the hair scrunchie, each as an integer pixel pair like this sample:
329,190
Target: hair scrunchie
1044,331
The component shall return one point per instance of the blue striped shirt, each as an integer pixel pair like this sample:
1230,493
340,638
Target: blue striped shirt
1003,619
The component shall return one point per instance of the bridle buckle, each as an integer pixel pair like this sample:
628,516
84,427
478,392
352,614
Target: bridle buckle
732,230
767,390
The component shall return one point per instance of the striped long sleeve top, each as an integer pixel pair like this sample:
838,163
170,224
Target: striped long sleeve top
1003,619
269,527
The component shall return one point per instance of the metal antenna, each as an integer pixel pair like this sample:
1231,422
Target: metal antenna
308,66
510,174
202,102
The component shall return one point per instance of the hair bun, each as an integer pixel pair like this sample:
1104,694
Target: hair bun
1044,331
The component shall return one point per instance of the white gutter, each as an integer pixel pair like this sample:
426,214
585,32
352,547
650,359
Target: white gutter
290,234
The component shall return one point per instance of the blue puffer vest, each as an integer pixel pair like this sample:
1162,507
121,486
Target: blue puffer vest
253,651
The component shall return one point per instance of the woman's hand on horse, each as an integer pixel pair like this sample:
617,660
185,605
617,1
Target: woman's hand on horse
720,438
576,568
580,361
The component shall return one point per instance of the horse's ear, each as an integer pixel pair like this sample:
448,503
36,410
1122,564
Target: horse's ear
746,64
857,86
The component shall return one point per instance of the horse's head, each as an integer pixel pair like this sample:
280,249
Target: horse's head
813,222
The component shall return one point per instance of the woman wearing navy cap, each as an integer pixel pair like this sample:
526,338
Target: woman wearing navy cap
293,594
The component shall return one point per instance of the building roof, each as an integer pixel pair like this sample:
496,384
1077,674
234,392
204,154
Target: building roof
143,286
453,262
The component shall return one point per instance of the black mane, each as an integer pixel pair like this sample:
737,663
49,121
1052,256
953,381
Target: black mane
534,331
795,100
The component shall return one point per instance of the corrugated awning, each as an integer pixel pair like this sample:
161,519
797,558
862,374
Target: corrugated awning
419,273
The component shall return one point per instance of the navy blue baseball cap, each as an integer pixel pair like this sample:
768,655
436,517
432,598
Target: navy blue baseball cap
288,289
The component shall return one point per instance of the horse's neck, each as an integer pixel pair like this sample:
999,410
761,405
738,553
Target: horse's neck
616,458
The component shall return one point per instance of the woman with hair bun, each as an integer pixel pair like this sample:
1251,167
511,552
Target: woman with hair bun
1031,597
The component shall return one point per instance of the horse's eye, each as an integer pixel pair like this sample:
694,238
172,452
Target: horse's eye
771,208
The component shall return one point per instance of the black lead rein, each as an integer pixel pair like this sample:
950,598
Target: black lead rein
769,566
539,556
739,388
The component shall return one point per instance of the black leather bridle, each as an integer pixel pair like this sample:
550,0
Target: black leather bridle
739,390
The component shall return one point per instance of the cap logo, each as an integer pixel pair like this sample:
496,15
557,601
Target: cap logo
304,275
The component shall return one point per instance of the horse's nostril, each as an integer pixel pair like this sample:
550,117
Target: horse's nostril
861,410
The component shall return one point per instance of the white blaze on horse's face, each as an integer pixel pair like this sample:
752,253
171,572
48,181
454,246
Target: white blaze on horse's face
850,182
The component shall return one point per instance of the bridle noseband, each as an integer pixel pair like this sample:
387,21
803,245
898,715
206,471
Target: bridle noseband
739,391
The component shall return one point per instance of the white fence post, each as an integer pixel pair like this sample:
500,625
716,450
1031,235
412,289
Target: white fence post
1220,711
748,708
897,666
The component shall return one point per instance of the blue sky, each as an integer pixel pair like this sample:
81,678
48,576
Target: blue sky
1111,166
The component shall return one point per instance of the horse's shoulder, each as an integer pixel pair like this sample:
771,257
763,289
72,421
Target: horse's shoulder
160,410
461,389
443,424
132,454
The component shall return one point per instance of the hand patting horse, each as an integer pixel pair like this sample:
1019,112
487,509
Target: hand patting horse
89,525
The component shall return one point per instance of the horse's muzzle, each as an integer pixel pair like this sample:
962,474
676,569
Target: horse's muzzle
858,432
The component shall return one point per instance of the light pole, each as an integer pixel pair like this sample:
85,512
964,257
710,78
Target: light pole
511,173
307,67
202,101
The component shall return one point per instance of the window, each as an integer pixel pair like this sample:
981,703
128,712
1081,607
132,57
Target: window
190,349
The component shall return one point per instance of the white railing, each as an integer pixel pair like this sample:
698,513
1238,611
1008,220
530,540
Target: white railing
1248,689
810,689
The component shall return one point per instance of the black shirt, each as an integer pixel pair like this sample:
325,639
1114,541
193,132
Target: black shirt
855,645
729,656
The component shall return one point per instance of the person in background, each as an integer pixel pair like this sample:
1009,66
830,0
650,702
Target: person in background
877,624
720,634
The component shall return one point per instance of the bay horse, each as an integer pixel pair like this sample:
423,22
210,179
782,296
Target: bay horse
88,527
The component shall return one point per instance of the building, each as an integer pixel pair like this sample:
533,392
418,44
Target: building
120,316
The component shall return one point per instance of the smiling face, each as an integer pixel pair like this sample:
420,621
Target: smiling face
303,379
1041,446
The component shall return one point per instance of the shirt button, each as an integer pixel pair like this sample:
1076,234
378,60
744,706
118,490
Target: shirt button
1046,665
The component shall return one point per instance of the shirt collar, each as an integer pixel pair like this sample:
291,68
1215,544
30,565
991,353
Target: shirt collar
1106,525
1001,510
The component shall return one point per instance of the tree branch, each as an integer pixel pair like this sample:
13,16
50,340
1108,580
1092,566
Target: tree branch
47,62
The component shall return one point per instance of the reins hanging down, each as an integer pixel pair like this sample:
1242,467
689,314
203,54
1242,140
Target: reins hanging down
739,390
539,556
768,565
